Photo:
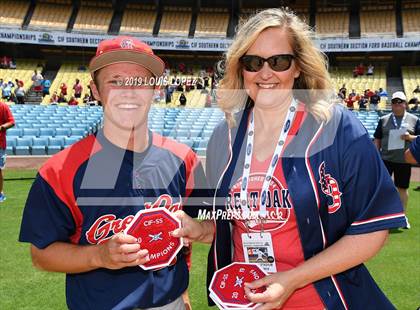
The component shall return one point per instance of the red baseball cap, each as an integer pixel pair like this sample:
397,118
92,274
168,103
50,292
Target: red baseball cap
126,49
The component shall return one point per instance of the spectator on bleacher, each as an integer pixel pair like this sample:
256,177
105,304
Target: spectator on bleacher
86,99
6,121
416,90
54,98
362,102
206,81
73,101
369,93
350,102
208,101
61,99
37,79
374,101
46,84
360,69
355,72
7,90
4,63
19,83
394,160
20,95
413,104
183,100
383,92
370,70
169,89
12,64
78,88
249,162
123,162
182,68
343,91
63,89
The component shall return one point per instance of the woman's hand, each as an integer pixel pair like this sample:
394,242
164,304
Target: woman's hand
279,287
192,230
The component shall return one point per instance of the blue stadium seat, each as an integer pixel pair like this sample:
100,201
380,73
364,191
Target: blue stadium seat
10,145
23,146
70,140
63,132
14,132
30,132
55,145
78,132
39,146
47,132
182,133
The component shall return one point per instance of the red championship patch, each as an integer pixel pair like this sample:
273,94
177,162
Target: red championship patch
227,285
153,228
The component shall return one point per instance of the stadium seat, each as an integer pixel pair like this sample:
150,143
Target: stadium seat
70,140
63,132
10,145
78,132
14,132
39,146
54,145
23,146
47,132
30,132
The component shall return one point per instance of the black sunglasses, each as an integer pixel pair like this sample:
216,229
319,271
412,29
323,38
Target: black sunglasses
397,101
277,63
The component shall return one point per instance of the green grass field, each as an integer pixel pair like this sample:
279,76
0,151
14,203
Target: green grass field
396,268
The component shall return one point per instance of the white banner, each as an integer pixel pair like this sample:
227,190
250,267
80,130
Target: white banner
203,44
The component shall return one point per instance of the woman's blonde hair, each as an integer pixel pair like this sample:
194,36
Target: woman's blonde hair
314,79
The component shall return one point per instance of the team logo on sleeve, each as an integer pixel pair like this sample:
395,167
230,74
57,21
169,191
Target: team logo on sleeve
330,188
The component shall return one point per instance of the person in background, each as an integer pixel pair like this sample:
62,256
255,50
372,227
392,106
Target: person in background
393,159
19,82
343,91
370,70
20,95
413,104
78,88
382,92
86,99
37,79
73,101
63,89
12,64
7,90
6,121
374,101
362,102
54,98
46,84
61,99
183,100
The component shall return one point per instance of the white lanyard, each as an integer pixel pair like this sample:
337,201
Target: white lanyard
394,120
273,163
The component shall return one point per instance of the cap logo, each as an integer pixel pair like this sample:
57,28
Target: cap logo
127,43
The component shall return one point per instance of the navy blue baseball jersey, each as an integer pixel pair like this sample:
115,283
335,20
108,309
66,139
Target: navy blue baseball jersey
91,191
335,182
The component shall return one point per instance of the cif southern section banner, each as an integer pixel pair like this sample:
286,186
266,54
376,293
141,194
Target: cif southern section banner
204,44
